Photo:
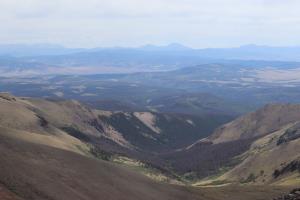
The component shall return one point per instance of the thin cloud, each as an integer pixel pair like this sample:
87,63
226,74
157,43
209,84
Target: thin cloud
198,23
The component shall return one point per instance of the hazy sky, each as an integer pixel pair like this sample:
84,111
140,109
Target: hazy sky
196,23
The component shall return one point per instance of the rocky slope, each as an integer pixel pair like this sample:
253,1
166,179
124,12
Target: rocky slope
293,195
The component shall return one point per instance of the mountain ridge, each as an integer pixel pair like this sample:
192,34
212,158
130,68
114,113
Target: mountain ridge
241,152
44,158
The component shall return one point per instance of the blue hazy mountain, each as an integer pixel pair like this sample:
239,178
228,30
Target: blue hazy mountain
179,51
19,50
253,52
170,47
36,58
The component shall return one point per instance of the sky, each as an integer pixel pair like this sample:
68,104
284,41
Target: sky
130,23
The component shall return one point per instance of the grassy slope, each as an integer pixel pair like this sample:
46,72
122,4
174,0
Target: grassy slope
257,124
263,158
20,119
265,154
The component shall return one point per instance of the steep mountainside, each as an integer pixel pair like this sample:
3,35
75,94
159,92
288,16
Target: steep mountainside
273,157
48,151
132,130
269,161
270,118
159,132
72,126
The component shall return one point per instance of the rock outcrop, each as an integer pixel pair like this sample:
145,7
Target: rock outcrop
293,195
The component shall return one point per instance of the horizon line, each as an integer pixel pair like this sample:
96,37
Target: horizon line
146,45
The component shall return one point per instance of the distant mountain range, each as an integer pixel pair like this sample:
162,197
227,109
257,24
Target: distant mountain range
246,52
20,50
28,60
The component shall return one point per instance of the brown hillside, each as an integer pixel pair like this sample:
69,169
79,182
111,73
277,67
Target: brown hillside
38,172
256,124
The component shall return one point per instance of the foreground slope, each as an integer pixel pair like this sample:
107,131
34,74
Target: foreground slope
39,172
34,171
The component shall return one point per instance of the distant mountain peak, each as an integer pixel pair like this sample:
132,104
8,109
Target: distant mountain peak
169,47
177,46
249,46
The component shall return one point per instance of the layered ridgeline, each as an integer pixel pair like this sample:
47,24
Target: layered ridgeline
59,150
